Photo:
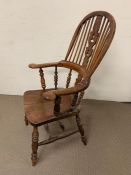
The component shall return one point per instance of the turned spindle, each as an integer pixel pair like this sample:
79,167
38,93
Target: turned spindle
43,85
56,77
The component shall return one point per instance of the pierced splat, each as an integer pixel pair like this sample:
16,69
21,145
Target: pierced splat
94,36
43,85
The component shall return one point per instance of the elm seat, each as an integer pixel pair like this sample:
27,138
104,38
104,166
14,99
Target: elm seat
38,109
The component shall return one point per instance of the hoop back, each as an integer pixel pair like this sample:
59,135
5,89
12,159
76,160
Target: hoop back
91,40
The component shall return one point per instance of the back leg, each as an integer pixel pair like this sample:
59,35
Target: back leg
81,130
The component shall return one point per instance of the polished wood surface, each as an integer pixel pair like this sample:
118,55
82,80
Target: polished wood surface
88,46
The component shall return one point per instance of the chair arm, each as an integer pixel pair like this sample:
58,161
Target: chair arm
35,66
51,95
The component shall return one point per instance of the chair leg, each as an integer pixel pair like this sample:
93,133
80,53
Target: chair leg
35,139
81,130
26,121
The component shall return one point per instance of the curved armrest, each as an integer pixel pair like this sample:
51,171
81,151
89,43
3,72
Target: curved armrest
51,95
82,85
35,66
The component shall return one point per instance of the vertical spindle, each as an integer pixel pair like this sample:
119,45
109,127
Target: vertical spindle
56,77
43,85
68,78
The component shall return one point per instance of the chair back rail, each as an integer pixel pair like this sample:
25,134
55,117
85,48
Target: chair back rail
90,42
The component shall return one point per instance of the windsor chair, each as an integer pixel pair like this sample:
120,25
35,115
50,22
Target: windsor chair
89,44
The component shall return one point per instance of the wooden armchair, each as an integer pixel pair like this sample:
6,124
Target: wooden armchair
89,44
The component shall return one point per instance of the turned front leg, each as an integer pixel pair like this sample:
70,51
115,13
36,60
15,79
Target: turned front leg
35,139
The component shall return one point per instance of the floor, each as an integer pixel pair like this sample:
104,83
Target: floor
108,152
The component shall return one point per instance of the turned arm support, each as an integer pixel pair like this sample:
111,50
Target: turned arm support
80,86
40,66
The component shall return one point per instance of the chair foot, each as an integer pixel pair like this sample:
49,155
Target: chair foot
26,121
34,159
35,139
81,130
